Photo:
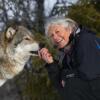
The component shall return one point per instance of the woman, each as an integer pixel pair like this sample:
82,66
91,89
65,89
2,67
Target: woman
76,73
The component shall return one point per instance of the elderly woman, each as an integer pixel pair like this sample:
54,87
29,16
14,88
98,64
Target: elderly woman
76,74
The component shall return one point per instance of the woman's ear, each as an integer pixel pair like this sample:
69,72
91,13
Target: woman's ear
69,30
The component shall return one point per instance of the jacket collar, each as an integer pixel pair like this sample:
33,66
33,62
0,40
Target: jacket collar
69,46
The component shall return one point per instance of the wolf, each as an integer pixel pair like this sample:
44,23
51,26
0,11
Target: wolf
17,44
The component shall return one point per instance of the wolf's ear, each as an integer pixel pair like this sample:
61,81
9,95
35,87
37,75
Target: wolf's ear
10,33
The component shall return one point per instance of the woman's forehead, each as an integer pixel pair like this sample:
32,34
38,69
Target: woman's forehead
54,27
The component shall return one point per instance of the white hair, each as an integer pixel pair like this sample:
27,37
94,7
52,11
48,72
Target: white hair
66,22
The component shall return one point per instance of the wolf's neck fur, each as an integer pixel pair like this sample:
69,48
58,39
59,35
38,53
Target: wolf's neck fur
13,64
19,61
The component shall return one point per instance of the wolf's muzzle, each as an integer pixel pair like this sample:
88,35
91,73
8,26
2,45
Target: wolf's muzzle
41,45
34,52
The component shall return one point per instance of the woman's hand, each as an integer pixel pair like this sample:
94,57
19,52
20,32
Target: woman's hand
45,55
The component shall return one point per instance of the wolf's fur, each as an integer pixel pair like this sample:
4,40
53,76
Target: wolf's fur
15,49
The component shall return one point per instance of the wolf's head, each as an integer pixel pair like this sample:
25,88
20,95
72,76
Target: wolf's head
19,44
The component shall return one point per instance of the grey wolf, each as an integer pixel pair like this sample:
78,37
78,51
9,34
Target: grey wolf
16,47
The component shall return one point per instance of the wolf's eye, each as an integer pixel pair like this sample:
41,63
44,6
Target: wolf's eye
27,38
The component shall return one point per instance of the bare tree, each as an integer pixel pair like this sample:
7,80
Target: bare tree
30,12
39,19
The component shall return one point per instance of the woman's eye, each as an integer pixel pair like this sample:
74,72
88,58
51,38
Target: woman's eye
57,32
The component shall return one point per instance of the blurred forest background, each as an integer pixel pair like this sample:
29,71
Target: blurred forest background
33,83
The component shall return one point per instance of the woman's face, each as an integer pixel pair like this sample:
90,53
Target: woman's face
59,35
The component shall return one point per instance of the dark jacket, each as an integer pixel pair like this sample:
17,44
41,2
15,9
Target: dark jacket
83,59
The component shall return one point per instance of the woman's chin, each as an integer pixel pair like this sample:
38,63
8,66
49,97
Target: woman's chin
62,45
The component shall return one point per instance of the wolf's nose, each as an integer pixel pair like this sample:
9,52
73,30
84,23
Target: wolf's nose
41,45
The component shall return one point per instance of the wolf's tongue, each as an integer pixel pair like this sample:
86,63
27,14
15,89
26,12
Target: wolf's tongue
34,52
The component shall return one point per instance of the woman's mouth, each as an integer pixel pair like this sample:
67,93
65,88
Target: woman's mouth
58,42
